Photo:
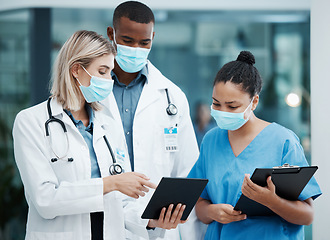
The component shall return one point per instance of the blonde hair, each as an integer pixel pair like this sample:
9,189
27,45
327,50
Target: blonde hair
81,48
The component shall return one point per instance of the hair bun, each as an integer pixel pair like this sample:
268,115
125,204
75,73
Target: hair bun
247,57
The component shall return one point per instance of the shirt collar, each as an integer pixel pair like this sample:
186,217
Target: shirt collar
142,76
90,113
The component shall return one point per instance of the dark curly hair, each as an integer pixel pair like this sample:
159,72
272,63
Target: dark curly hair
241,72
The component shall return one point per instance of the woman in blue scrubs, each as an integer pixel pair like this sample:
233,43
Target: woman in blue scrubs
231,152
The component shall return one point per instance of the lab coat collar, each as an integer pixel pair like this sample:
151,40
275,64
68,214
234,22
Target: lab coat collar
152,89
102,118
100,126
56,108
90,113
155,78
109,107
58,112
111,111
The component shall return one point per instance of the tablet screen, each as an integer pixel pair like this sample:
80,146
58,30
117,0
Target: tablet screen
174,191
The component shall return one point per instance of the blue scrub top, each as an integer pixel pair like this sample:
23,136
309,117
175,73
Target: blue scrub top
273,146
201,133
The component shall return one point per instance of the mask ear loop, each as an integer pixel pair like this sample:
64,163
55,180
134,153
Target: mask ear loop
114,38
78,81
247,109
86,72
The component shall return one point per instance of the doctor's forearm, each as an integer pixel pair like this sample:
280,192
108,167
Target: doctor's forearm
108,185
132,184
296,212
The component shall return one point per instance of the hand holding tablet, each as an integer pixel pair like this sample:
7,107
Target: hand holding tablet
174,191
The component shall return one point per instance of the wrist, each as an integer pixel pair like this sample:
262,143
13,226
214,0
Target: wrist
109,184
151,224
210,212
273,202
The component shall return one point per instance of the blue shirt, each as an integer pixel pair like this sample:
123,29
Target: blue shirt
273,146
127,98
87,133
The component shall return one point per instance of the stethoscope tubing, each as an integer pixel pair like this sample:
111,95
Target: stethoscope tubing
53,119
171,108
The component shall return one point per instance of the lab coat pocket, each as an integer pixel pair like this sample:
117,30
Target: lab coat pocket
50,236
114,195
63,170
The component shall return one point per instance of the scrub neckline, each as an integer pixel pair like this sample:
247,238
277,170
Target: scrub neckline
248,146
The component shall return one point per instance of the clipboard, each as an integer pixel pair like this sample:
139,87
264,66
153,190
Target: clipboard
289,182
174,190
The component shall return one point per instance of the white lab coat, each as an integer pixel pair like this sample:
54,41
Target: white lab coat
150,156
61,195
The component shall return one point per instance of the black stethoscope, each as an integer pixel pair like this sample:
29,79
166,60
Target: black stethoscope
171,108
114,169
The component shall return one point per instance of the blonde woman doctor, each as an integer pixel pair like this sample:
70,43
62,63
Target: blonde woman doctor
70,155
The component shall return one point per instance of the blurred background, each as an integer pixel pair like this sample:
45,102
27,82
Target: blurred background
190,46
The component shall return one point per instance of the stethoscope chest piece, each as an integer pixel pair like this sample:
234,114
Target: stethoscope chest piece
115,169
171,108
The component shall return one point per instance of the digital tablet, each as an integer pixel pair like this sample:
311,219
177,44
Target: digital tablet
289,183
174,190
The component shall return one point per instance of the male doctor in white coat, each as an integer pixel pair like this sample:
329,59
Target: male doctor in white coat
155,119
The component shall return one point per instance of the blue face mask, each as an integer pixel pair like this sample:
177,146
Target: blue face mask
98,89
131,59
230,121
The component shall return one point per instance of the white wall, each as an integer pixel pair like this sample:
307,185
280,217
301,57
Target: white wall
320,112
168,4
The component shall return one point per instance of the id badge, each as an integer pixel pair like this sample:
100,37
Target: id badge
171,139
120,158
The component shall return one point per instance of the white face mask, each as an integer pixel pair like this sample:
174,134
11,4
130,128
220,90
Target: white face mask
230,121
131,59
